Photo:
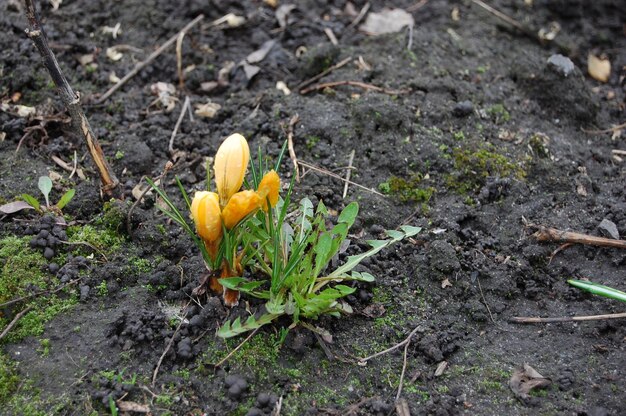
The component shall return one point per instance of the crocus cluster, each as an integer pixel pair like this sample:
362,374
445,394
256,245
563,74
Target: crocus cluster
215,213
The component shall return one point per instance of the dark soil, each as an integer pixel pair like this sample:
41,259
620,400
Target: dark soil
489,137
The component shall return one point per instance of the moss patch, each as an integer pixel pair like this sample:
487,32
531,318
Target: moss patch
411,189
473,167
21,273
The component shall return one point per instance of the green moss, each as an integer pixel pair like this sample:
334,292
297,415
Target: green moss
103,239
8,378
472,168
407,190
44,347
498,113
102,289
311,141
21,267
119,155
114,217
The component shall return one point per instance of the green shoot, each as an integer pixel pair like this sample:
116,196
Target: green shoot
600,290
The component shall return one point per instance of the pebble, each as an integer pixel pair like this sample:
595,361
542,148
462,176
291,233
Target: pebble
609,229
84,293
254,412
48,253
263,399
53,268
560,64
463,109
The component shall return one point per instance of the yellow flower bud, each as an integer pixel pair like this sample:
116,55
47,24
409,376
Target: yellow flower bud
240,205
269,188
231,162
205,212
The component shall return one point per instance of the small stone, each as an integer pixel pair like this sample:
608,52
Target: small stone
43,234
560,64
609,229
376,229
263,399
463,109
196,321
48,253
231,380
234,391
53,268
42,242
254,412
84,293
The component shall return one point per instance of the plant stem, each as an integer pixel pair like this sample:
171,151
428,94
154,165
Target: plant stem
71,100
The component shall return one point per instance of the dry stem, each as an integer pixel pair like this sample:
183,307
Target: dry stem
532,320
14,321
292,153
70,99
354,84
555,235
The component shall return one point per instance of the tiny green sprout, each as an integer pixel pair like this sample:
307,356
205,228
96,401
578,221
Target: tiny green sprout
45,186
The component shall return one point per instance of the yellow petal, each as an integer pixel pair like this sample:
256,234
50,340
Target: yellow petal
231,161
269,188
240,205
205,212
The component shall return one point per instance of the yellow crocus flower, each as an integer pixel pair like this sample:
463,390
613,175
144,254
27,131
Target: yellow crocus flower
205,212
239,206
269,188
231,162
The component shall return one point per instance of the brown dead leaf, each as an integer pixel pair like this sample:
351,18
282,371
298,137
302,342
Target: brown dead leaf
125,406
526,379
387,21
374,310
599,69
441,367
13,207
208,110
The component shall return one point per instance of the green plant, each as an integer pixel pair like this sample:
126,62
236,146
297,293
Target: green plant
600,290
294,256
45,186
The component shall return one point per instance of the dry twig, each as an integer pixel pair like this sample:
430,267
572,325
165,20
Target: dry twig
609,130
41,292
334,175
353,84
532,320
148,60
230,354
70,99
292,153
169,344
362,361
554,235
359,17
14,321
186,104
323,73
348,174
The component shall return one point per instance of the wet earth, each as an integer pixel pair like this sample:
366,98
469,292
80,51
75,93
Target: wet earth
462,125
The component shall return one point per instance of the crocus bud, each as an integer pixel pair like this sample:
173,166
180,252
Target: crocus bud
269,188
205,212
231,161
240,205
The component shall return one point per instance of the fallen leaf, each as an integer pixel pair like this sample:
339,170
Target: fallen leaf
446,283
526,379
441,368
599,69
25,111
126,406
271,3
3,136
114,54
374,310
13,207
208,110
250,70
85,60
282,87
282,13
387,21
113,79
261,53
